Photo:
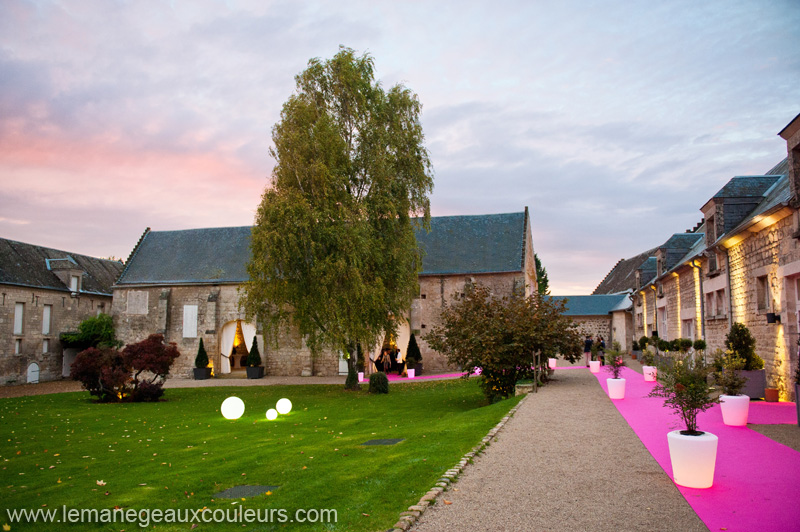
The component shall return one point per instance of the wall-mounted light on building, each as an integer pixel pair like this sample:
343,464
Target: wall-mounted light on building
772,317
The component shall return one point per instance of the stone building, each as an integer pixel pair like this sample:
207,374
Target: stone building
605,315
185,284
741,264
43,293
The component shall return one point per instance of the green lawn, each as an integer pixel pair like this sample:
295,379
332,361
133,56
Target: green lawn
180,452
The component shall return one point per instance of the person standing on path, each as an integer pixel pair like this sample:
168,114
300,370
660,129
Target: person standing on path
587,349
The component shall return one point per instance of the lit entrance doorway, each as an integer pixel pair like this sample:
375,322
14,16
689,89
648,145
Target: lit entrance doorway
235,343
393,344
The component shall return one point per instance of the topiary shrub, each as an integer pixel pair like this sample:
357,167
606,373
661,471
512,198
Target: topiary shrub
663,345
201,360
684,344
254,357
699,345
413,355
742,343
644,341
378,383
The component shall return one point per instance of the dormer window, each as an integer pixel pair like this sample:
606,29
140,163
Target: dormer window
711,231
74,283
660,267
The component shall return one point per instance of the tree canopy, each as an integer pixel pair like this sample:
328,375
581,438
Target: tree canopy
541,276
501,335
334,251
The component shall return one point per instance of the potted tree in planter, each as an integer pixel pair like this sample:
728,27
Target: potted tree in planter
616,385
413,357
649,369
685,389
636,352
254,368
594,363
741,343
700,347
733,404
201,369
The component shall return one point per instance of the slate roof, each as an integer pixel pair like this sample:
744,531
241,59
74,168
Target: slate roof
746,186
676,247
623,275
456,244
216,255
594,305
31,266
488,243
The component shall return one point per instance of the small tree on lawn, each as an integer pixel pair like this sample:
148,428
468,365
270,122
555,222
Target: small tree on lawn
150,361
502,335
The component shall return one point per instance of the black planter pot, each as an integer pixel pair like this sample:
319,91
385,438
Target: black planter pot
255,372
756,385
201,374
417,369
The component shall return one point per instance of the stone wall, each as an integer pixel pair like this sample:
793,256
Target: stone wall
438,290
139,312
66,313
595,326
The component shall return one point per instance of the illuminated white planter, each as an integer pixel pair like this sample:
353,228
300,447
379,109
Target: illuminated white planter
272,414
552,362
232,408
284,406
693,458
649,373
616,388
594,366
411,373
734,409
360,376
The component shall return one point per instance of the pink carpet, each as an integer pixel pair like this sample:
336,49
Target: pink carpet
396,377
755,477
763,413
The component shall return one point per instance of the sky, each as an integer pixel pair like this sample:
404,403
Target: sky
613,122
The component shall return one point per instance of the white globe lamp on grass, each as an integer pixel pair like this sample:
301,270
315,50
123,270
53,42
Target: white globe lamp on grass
272,414
284,406
232,408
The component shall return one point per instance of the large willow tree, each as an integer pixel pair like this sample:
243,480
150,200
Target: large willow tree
334,252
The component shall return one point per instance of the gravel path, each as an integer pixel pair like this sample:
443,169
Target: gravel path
566,461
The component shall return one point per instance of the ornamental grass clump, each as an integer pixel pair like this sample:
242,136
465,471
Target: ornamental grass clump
378,383
614,363
685,388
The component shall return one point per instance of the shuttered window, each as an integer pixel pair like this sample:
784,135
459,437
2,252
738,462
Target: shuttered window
19,311
46,316
190,321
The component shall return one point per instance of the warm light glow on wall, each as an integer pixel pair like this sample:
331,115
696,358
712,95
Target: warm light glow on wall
644,312
698,303
781,363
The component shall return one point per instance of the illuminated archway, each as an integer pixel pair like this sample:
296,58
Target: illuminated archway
235,342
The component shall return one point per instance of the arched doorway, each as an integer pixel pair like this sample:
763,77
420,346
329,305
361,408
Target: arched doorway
33,373
398,341
235,342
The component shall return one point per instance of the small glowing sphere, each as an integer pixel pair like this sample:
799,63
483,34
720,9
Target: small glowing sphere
272,414
284,406
232,408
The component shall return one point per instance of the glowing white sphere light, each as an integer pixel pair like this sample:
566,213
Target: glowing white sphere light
232,408
272,414
284,406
